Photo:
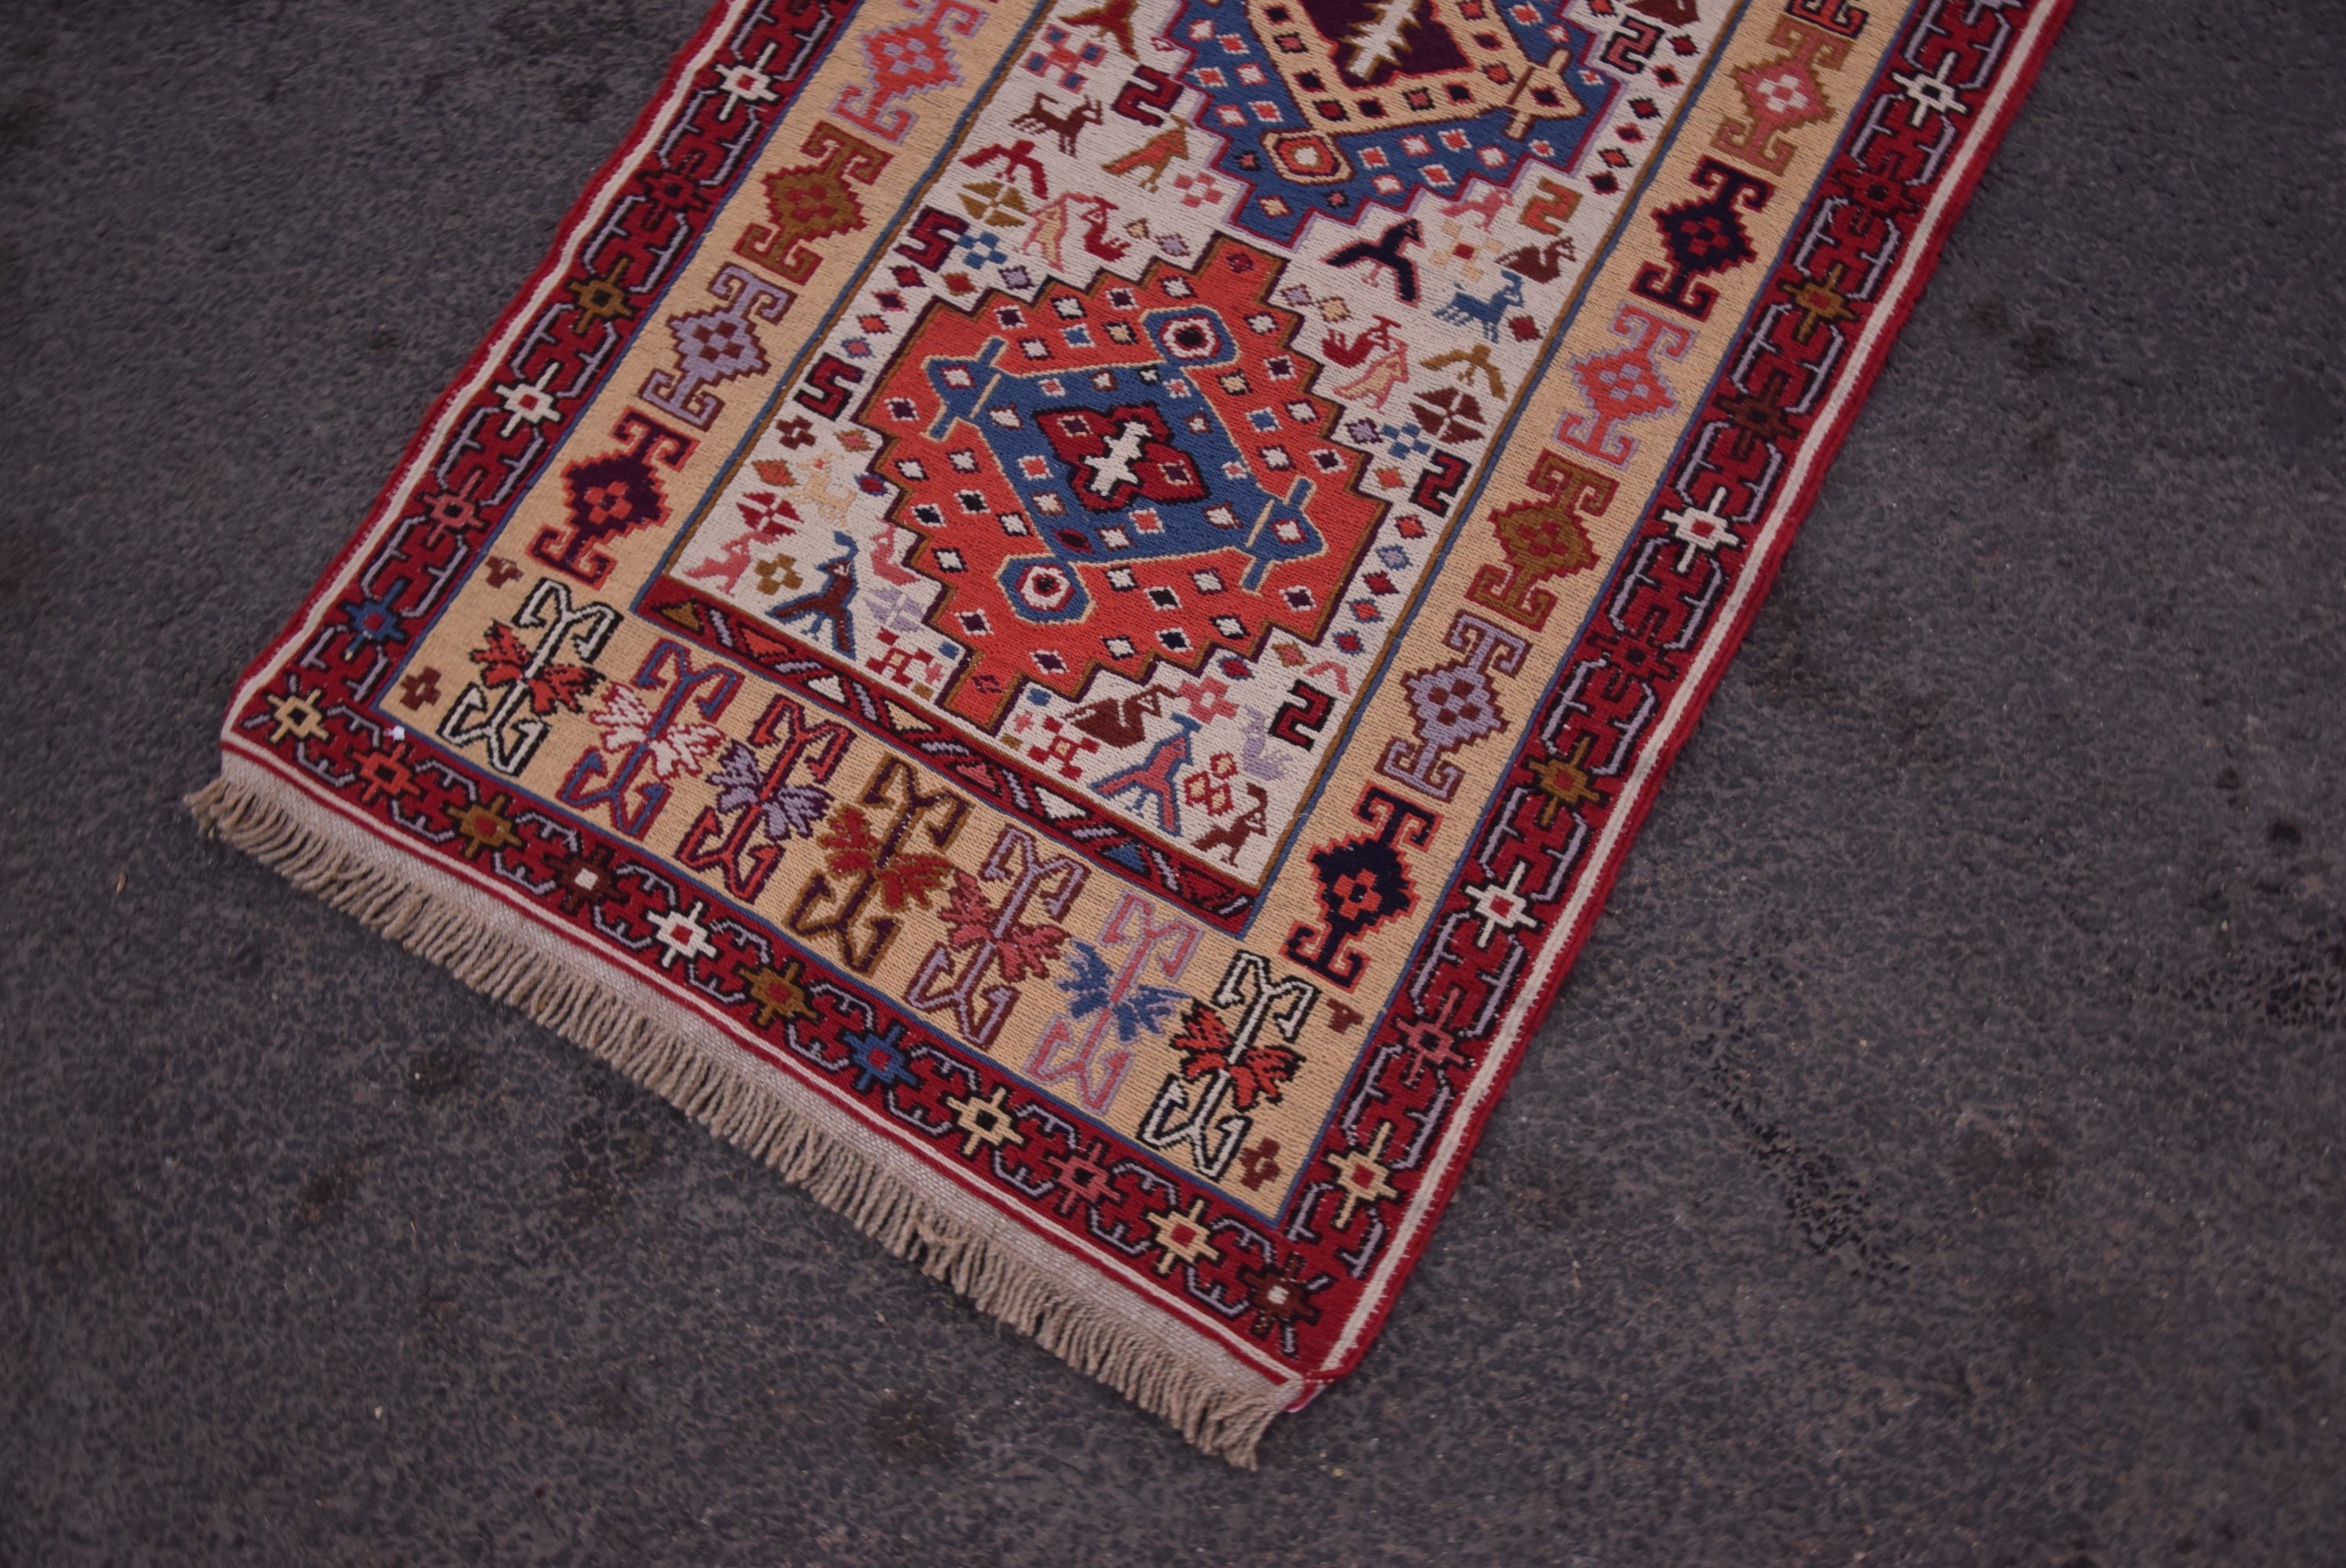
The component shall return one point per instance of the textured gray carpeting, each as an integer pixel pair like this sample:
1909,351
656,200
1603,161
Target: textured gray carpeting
1939,1158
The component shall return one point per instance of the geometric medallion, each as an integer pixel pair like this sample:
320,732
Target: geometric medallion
1116,477
1332,105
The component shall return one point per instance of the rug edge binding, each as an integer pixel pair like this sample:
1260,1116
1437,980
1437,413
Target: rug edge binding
999,1267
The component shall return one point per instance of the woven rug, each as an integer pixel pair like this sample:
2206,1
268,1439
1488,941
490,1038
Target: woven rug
1056,617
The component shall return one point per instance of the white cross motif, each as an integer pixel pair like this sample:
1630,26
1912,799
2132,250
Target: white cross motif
1700,529
745,81
1931,92
1115,467
1783,93
528,403
681,935
1502,906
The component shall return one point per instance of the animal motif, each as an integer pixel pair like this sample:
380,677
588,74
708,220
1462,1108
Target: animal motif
1110,19
814,488
1472,362
1015,156
1348,351
1048,234
1119,721
1485,313
1066,126
1385,254
827,606
1098,241
1254,751
1155,154
1153,777
1486,207
726,566
1231,836
1540,263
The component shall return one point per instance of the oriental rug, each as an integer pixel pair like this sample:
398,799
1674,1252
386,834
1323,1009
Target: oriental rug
1055,615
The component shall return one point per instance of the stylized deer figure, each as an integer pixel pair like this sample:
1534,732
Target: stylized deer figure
814,488
1541,263
1485,313
1066,126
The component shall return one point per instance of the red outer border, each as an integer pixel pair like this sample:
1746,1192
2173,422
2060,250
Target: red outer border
1665,747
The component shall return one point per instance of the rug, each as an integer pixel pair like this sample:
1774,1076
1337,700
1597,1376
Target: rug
1055,617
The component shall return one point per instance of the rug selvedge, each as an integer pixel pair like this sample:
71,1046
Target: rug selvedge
1112,608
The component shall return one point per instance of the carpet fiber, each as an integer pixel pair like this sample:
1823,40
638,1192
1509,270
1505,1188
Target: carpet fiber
1056,619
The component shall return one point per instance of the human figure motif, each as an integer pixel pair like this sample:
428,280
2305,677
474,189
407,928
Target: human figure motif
1047,231
1387,369
827,606
1232,835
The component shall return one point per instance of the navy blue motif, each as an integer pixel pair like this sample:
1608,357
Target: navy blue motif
1337,106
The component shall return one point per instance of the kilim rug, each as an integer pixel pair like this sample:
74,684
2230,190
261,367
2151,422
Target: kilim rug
1054,615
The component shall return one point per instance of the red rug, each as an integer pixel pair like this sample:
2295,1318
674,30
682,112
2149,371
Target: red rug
1056,618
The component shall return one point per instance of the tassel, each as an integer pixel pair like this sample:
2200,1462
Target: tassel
1215,1403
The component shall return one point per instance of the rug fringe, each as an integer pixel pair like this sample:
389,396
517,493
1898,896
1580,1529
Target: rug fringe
1225,1416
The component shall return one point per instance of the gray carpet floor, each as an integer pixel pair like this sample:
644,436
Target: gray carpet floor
1938,1157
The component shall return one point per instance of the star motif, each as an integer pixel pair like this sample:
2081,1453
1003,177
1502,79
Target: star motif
1565,780
681,935
988,1121
1361,1174
1502,906
295,716
1185,1236
1701,530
